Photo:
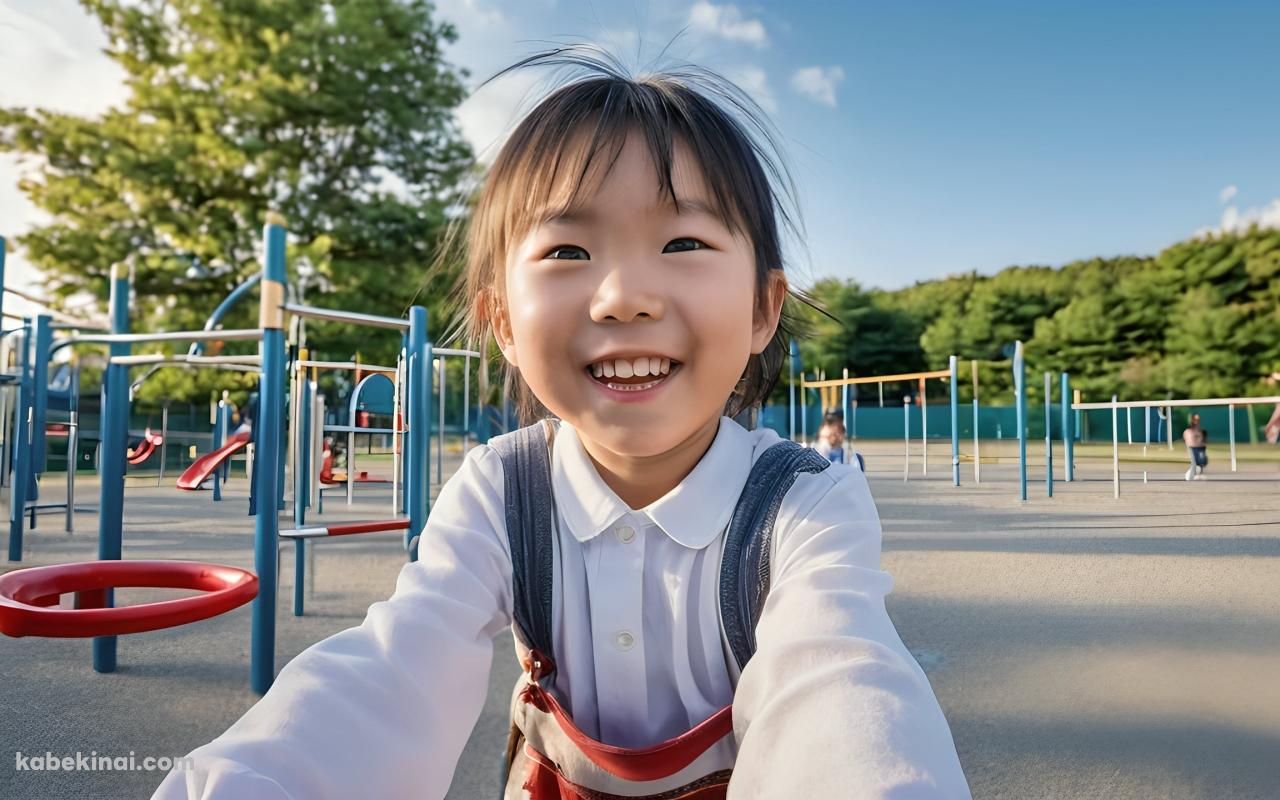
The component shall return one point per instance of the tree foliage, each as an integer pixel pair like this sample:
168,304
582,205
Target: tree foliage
335,115
1200,319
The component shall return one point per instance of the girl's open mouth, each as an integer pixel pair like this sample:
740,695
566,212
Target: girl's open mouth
632,376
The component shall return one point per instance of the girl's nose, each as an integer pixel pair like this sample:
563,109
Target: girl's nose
625,295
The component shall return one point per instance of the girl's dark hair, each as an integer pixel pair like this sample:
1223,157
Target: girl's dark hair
544,163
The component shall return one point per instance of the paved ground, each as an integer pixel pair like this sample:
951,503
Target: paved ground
1081,646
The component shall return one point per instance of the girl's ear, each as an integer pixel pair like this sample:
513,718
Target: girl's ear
491,308
768,311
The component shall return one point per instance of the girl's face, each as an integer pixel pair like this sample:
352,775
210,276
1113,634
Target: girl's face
630,322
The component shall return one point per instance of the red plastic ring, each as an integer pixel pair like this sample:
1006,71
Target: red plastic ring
27,594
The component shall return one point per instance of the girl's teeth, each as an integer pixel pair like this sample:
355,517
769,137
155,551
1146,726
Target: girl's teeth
641,367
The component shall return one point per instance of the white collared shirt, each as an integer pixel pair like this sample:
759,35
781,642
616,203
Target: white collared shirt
830,706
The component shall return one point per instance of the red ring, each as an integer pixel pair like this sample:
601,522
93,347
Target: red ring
26,594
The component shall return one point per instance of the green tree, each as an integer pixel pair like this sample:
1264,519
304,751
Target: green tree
335,115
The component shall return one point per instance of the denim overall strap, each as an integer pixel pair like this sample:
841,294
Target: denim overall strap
744,565
526,468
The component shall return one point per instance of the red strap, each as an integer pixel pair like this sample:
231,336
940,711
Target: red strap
652,763
543,781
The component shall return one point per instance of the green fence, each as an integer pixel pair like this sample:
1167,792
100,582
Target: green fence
1001,422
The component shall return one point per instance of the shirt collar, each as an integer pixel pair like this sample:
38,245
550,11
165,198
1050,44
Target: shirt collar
693,513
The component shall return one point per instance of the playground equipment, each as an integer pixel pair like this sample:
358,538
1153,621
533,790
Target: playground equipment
375,393
267,472
848,405
1166,408
204,466
28,597
144,450
828,389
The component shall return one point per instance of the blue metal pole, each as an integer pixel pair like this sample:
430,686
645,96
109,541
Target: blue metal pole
266,474
955,425
404,415
114,424
219,436
1020,387
40,393
1048,433
417,478
237,294
225,469
1067,444
21,449
301,491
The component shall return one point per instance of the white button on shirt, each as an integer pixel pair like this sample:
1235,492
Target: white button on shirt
831,704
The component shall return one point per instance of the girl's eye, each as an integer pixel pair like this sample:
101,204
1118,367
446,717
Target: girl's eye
697,245
568,248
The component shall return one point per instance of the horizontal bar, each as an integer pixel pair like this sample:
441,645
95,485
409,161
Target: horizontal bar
447,351
355,429
906,376
88,326
164,358
334,315
232,335
344,365
47,308
346,529
1228,401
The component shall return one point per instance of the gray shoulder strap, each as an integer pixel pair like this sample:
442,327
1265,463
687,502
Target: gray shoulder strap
744,565
530,512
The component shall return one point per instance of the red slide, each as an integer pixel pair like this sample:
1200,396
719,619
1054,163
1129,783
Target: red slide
204,466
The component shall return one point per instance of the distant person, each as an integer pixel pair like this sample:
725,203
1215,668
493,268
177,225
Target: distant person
1272,428
830,440
1195,439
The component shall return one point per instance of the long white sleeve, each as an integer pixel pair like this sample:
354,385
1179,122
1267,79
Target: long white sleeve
832,704
384,709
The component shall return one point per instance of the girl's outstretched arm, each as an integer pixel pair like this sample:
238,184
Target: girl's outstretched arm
384,709
832,704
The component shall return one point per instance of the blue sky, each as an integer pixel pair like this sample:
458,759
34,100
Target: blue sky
927,138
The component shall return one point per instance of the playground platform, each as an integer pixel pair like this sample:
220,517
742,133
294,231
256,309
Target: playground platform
1081,647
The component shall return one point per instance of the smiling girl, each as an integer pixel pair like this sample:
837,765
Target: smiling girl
698,608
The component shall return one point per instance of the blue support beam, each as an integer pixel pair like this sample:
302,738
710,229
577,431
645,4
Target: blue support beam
1068,435
115,435
40,393
418,478
955,423
21,448
1020,388
266,474
1048,433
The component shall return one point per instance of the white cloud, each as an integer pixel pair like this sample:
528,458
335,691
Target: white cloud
818,83
57,49
755,83
726,22
1227,193
488,115
1236,221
